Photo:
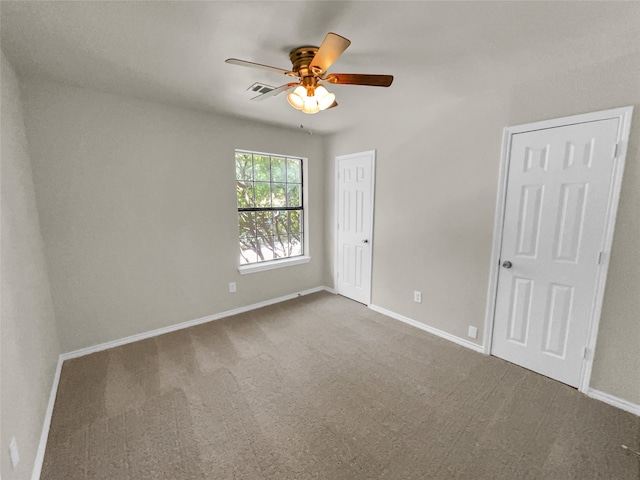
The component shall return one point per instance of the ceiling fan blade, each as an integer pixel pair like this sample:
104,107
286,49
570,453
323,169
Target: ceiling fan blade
360,79
275,91
244,63
331,48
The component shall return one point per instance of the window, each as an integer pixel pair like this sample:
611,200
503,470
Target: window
270,207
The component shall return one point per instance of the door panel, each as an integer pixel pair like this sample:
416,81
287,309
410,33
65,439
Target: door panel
354,227
558,189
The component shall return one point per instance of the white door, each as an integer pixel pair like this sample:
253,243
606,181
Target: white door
559,185
354,213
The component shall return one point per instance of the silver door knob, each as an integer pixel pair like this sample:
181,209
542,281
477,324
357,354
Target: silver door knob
507,264
365,241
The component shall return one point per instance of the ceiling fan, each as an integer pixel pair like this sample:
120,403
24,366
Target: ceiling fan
310,65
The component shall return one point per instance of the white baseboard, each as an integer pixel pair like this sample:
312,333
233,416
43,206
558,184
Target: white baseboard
190,323
598,395
615,401
426,328
42,446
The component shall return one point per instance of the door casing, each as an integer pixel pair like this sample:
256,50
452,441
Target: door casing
372,154
624,116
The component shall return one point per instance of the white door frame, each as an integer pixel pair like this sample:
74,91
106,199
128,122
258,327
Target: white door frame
336,214
624,116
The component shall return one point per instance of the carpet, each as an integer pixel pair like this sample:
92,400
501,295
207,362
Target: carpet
321,387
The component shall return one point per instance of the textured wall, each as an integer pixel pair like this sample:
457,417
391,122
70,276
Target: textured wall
436,184
30,345
138,211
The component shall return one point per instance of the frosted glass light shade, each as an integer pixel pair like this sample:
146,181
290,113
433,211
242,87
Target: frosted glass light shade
310,105
297,97
325,99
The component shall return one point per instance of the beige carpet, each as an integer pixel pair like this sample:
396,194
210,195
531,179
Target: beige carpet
321,387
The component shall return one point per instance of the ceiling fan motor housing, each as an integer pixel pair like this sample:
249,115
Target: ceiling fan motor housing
301,58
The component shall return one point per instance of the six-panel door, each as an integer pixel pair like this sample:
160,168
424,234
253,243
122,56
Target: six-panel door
354,229
558,188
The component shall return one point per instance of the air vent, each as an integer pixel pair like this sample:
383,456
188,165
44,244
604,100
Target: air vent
260,88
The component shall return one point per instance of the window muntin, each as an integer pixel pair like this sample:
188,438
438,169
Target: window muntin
269,191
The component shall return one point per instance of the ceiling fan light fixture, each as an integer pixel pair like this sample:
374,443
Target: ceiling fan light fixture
297,97
310,105
324,97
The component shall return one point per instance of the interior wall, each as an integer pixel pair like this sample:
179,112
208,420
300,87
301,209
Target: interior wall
436,185
29,340
138,211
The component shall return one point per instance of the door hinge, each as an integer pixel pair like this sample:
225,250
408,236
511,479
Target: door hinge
587,352
616,150
600,258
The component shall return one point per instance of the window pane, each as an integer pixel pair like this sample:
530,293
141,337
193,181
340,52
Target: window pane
247,256
281,247
278,170
293,170
295,244
262,194
244,166
245,194
278,195
264,225
261,168
281,221
266,248
246,226
248,244
295,223
293,196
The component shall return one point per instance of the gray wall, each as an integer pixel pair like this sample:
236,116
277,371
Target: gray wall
136,203
29,342
138,211
436,185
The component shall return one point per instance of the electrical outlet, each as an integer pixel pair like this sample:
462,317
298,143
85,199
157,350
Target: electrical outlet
473,332
13,453
417,297
232,287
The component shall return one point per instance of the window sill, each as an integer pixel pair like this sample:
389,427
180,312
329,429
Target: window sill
260,267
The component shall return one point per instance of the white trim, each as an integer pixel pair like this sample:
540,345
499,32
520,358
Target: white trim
337,159
262,266
426,328
497,242
624,116
619,113
190,323
44,436
624,127
614,401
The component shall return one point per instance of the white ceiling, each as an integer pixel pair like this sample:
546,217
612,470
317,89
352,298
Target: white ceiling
174,52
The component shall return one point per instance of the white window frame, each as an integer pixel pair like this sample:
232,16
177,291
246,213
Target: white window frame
282,262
